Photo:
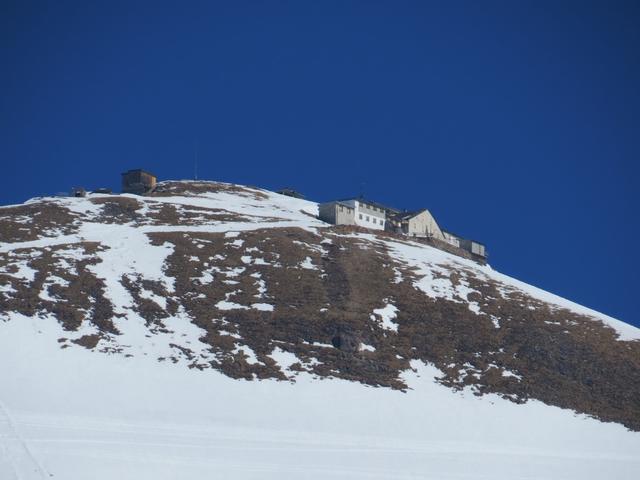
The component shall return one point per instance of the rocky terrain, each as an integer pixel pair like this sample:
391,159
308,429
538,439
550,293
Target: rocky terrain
250,283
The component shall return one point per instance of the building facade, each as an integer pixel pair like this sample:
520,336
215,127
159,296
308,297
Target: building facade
474,247
357,212
415,224
451,239
470,246
336,213
421,224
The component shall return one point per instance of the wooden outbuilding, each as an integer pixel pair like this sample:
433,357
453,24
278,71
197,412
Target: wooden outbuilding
138,182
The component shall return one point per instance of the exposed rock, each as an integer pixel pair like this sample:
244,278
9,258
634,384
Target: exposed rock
308,292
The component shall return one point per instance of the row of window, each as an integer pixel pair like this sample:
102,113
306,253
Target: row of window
371,207
375,220
366,218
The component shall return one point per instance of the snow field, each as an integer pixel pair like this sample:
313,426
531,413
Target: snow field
104,417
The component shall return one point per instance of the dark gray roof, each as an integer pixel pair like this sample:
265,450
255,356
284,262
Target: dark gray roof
290,192
140,170
407,215
370,202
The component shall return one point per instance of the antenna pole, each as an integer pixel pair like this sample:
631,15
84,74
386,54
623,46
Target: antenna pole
195,160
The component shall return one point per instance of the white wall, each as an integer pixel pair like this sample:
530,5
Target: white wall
451,239
368,216
424,224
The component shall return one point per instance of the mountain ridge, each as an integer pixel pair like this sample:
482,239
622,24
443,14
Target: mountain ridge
237,279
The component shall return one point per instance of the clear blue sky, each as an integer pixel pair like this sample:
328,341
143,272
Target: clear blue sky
517,123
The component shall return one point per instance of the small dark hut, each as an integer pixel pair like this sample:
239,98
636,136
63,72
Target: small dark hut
138,182
78,192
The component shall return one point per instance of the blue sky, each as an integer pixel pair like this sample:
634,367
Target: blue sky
515,123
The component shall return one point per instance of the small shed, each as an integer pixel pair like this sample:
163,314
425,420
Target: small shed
78,192
138,182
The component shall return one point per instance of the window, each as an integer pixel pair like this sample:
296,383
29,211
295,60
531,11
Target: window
382,223
360,216
374,220
368,218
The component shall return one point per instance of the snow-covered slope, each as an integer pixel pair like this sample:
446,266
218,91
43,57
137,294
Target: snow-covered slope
217,331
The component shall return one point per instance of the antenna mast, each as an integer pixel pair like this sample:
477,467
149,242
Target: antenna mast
195,160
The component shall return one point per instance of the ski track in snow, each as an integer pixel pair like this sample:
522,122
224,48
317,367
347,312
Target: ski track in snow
136,419
16,457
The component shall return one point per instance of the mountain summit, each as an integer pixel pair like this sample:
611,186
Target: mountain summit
237,293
